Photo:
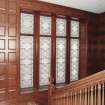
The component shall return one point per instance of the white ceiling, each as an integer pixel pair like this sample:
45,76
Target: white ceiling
96,6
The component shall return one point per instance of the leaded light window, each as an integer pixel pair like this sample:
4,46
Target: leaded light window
74,51
27,23
26,50
45,50
26,61
60,50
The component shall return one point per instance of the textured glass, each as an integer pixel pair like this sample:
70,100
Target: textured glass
45,59
45,25
27,23
60,27
26,61
60,59
74,59
74,28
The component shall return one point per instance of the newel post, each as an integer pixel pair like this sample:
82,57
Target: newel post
50,90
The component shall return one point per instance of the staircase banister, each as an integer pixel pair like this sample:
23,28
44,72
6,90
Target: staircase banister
85,82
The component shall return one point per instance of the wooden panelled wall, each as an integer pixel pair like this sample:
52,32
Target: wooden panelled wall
9,51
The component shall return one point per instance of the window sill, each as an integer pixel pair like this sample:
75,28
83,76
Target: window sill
27,90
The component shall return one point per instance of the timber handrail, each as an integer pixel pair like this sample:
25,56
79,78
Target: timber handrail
87,91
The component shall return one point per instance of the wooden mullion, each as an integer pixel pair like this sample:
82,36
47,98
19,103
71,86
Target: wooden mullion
68,51
53,48
37,47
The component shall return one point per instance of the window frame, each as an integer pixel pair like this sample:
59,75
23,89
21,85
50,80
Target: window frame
53,36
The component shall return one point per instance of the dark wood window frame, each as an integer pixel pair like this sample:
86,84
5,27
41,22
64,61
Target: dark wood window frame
53,47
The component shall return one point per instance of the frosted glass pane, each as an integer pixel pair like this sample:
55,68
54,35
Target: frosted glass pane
60,27
45,25
60,60
74,59
26,61
74,28
27,23
45,60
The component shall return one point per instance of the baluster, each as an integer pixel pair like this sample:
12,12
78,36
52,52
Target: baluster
99,94
71,99
60,100
57,100
91,95
77,103
76,97
103,94
85,96
80,98
67,98
95,95
88,96
63,99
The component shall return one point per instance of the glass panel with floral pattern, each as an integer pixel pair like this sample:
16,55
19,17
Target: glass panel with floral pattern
74,28
26,61
60,60
60,27
27,23
45,60
45,25
74,59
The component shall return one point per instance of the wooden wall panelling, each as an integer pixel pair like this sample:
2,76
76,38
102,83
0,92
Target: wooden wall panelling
9,52
83,49
12,38
3,56
93,32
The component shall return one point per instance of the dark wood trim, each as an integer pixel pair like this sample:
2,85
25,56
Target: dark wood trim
37,47
53,49
68,31
54,9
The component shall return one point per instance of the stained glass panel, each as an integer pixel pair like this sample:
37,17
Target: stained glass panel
74,59
26,61
27,23
45,25
74,28
45,60
60,59
60,27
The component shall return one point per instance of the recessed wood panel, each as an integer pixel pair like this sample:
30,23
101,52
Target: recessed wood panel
2,57
12,70
2,44
2,69
12,5
12,83
12,31
2,96
11,57
3,83
2,19
11,44
2,4
2,30
12,19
